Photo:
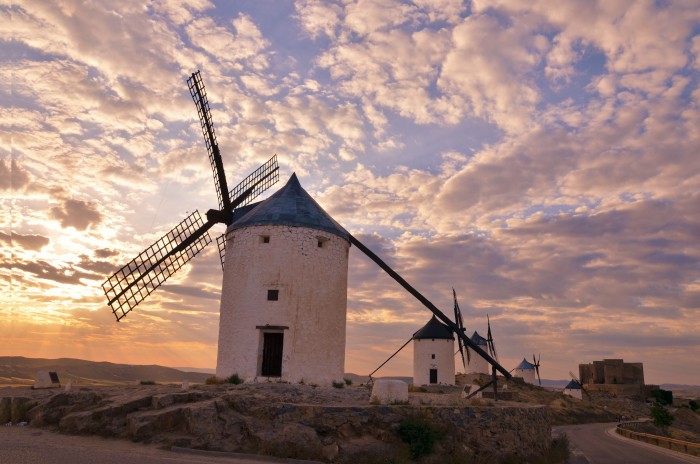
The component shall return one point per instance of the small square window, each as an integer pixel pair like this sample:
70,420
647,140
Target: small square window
320,243
273,295
264,239
432,356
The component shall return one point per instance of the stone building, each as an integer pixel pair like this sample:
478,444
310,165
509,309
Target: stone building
614,376
284,292
434,354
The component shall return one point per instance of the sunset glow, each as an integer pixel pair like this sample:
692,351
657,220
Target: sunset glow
542,158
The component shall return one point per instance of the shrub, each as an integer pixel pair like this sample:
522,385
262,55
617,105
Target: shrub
338,384
235,379
148,382
694,405
213,380
662,396
660,417
348,381
419,434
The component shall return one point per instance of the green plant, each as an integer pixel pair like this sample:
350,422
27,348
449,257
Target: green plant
660,416
235,379
694,405
348,381
338,384
419,434
213,380
662,396
148,382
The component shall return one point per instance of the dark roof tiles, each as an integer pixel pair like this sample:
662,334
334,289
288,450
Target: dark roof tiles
434,329
290,206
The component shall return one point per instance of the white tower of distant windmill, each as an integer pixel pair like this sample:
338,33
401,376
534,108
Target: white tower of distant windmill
478,365
434,354
529,371
284,295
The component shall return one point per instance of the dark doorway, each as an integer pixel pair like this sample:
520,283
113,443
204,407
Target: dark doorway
433,375
272,355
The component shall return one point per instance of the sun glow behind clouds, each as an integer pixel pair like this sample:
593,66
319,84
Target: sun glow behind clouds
540,158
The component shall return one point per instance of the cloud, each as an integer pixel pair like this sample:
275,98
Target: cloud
77,213
28,242
12,175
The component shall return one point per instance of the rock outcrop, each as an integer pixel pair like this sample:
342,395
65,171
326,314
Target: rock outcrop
295,421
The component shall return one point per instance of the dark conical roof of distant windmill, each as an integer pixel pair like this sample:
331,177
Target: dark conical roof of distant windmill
433,329
573,385
478,339
525,364
290,206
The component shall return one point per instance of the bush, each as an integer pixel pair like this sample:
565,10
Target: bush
419,434
148,382
348,381
338,384
213,380
660,417
235,379
694,405
662,396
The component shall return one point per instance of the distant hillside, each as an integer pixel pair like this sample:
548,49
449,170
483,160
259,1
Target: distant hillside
17,370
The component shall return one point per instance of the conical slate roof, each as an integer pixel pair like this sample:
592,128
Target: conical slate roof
290,206
524,364
478,339
434,329
573,385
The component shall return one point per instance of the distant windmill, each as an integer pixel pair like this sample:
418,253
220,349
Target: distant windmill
528,370
277,249
576,385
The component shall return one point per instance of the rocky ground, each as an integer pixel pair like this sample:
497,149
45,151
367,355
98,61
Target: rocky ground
296,421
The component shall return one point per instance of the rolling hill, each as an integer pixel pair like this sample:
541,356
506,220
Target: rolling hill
18,370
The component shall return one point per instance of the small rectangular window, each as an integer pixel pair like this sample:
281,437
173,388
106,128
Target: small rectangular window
432,356
264,239
273,295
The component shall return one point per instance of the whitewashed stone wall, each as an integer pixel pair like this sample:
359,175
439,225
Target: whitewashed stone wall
312,284
528,375
477,364
444,362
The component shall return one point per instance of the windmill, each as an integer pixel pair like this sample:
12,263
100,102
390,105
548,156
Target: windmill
289,208
578,384
132,283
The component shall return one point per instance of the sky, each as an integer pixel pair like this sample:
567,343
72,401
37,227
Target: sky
539,157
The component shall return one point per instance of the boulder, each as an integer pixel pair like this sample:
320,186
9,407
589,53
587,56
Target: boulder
386,391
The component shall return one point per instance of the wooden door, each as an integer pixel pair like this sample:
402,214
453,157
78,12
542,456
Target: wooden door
433,375
272,354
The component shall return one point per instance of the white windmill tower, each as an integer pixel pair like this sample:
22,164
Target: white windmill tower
284,296
434,354
477,364
528,370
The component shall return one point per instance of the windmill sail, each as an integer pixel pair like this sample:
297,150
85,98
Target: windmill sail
489,340
460,325
199,95
260,180
127,287
439,314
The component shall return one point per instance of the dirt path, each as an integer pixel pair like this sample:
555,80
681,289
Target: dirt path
27,445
